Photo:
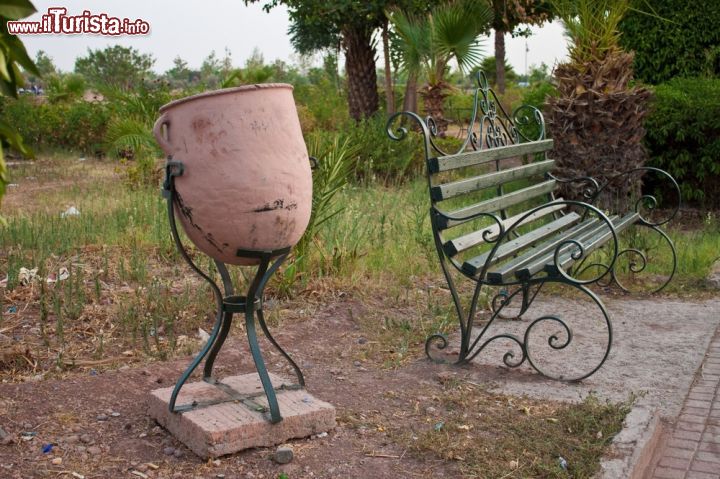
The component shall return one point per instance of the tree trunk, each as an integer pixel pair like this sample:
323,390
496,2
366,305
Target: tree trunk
434,96
410,100
360,53
596,123
500,61
389,92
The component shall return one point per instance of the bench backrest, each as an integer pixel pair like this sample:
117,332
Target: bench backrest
501,169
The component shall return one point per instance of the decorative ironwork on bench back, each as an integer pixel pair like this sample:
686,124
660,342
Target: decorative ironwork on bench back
490,125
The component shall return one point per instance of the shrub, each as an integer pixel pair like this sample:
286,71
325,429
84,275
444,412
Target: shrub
377,156
324,102
537,94
683,136
673,38
77,126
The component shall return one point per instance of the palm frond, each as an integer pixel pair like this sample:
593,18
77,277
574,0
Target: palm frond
456,30
591,26
130,135
413,39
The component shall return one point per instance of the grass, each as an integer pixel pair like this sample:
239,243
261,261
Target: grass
517,437
483,434
129,289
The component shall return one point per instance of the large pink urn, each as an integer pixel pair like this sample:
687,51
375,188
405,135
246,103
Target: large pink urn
246,183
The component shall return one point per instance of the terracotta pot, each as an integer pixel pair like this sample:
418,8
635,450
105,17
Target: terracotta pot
247,182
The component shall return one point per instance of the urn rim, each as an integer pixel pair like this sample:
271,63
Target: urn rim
225,91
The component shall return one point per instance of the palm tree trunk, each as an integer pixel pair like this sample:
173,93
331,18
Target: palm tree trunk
363,100
500,61
410,102
597,126
389,92
434,96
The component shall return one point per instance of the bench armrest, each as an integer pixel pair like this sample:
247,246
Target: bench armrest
577,250
488,236
644,205
590,186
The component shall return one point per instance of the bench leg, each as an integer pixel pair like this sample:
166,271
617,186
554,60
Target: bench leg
558,341
554,341
503,299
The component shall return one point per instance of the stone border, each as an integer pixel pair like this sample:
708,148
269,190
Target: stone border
633,448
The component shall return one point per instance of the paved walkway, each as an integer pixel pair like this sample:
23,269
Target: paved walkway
693,448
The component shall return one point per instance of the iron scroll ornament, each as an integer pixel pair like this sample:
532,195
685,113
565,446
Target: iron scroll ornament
490,124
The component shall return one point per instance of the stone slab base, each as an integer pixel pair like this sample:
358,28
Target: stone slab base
222,425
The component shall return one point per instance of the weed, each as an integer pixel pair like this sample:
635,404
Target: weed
495,436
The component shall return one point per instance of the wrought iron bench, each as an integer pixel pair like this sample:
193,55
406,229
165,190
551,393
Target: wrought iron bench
497,220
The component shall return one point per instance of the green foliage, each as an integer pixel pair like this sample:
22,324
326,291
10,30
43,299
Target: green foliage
12,56
680,38
539,73
537,93
64,87
129,132
591,26
377,158
488,66
331,173
179,76
116,66
318,24
510,14
683,136
450,31
45,64
76,126
324,102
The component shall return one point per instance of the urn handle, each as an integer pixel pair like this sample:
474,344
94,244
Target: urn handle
158,132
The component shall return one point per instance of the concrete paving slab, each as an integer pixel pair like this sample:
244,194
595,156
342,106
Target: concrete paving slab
221,425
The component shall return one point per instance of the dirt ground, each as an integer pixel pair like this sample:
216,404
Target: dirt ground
658,345
94,418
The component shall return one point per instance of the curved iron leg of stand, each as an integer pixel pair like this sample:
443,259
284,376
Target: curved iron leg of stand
263,325
226,322
219,320
217,345
266,332
254,292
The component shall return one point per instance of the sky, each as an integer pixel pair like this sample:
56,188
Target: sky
192,29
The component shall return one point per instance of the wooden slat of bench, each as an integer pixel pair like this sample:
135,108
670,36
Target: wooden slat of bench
451,162
470,240
497,203
538,264
594,242
456,188
507,249
506,271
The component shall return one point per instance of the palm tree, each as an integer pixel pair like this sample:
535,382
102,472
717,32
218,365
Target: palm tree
129,134
597,118
65,87
428,43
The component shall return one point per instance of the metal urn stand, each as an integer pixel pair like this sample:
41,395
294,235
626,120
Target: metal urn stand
227,305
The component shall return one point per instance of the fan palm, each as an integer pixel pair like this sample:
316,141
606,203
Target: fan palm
428,43
65,87
597,118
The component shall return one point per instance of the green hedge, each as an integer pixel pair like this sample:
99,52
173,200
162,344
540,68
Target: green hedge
78,126
673,38
683,136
